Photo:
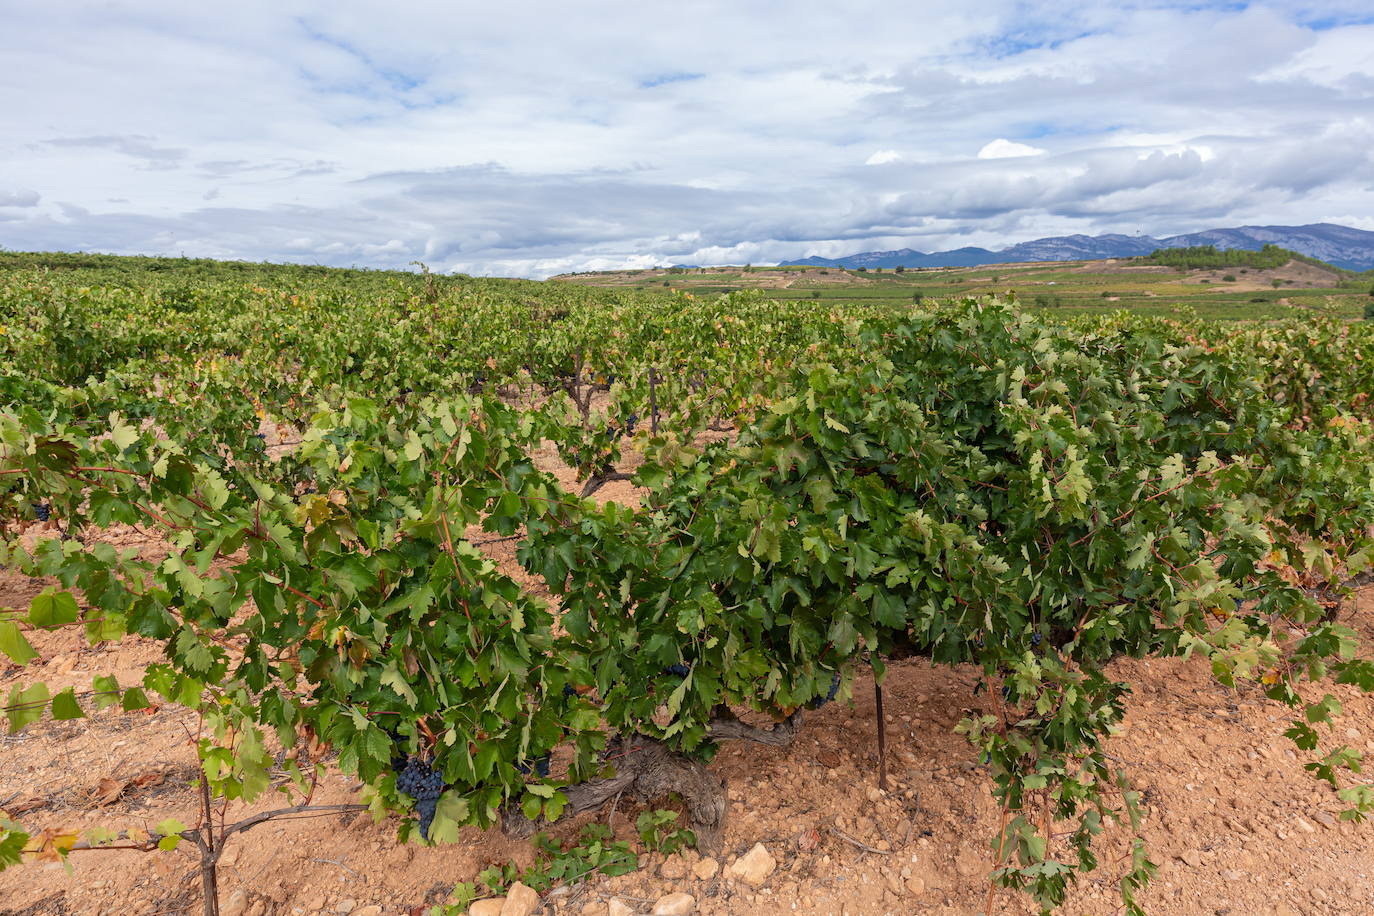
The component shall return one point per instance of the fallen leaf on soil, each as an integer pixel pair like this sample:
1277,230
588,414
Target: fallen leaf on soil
150,778
105,792
809,840
24,805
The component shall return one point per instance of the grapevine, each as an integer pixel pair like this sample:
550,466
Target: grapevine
822,490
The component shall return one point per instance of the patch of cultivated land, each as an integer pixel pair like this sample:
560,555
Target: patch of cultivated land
1068,286
1222,788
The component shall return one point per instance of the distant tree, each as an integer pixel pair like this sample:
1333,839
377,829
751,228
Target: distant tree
917,296
1369,309
1209,257
900,269
1229,278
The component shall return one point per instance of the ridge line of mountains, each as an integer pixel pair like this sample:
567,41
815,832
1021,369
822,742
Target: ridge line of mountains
1341,246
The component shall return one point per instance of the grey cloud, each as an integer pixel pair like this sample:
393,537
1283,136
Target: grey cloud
19,199
136,147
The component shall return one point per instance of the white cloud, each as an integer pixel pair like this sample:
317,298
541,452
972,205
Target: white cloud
549,137
1007,149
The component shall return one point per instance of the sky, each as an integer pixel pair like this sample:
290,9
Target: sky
534,138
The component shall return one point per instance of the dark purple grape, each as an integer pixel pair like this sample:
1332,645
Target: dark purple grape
420,781
541,766
426,809
818,702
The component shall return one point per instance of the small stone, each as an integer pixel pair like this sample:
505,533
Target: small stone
1230,874
674,868
970,864
754,867
706,869
1192,858
488,907
373,910
1325,819
236,905
1304,826
618,908
675,905
521,900
915,886
344,907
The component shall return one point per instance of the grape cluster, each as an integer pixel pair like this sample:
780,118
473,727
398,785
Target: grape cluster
818,702
677,670
43,511
423,783
540,767
613,431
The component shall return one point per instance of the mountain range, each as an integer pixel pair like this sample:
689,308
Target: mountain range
1342,246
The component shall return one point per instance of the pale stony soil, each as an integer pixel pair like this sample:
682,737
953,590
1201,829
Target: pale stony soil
1237,826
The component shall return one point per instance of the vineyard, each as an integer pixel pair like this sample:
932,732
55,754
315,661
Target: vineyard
506,556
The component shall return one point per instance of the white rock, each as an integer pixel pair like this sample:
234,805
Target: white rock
754,867
520,900
236,905
675,905
706,869
618,908
488,907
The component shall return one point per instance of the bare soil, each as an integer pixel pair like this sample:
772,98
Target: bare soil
1237,826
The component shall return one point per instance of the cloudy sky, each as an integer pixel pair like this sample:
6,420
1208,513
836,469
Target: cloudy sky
531,138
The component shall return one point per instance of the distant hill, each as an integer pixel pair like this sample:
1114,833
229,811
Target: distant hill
1352,249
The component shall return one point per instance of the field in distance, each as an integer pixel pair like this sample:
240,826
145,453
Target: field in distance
1073,287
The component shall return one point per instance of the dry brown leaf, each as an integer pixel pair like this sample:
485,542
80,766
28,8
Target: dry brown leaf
809,840
106,792
150,778
24,805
